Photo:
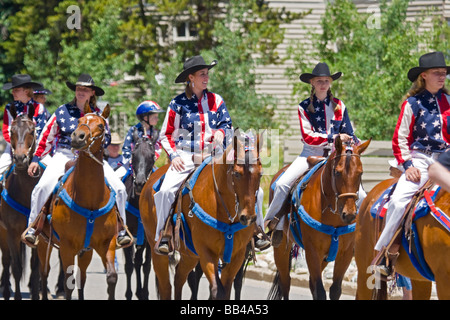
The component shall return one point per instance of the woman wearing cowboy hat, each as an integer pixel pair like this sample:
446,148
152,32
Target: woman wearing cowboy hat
322,118
420,136
21,87
57,132
147,114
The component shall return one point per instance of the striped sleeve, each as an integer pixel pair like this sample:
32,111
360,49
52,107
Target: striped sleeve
169,129
7,119
310,136
45,141
403,137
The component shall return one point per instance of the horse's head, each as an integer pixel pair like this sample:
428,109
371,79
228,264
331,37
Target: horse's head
23,138
346,175
245,171
142,159
90,134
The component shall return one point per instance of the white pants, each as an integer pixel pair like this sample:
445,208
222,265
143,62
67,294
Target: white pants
284,184
5,159
56,169
402,195
173,179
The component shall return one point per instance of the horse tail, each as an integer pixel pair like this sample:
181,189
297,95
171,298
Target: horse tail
275,292
381,293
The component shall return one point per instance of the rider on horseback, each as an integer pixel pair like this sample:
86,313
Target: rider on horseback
147,114
22,90
322,118
420,136
195,120
58,130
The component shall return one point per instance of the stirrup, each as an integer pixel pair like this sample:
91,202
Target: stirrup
29,238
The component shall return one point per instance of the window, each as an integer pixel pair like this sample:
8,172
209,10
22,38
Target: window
184,32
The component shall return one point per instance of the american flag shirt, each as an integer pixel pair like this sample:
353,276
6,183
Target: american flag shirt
40,117
128,144
423,125
318,128
58,129
190,124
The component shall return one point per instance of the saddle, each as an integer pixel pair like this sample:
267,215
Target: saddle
312,161
390,253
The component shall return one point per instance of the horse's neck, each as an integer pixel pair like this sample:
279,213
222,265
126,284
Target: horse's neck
89,177
226,191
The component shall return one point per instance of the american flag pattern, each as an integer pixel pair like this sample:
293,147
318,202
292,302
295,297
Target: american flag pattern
40,117
59,127
128,144
423,125
190,124
318,128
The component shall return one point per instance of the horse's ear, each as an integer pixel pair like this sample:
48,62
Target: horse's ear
31,112
13,111
338,144
135,134
155,136
106,111
87,108
362,147
259,141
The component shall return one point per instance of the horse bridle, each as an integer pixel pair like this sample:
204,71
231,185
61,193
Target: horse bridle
93,138
231,171
333,182
30,148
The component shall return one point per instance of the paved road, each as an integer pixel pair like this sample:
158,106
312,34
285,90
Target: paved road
96,284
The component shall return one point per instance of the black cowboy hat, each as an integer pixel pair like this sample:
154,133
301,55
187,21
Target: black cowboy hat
191,65
42,90
85,80
21,80
428,61
320,70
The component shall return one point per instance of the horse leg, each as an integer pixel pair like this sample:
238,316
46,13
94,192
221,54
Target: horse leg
34,276
238,281
44,268
211,270
343,259
83,262
161,268
138,261
17,251
315,267
442,285
128,253
146,268
230,271
282,257
68,263
5,283
111,274
60,283
183,269
421,290
193,280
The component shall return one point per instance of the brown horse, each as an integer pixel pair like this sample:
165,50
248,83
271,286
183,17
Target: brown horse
86,186
15,204
333,187
223,186
434,240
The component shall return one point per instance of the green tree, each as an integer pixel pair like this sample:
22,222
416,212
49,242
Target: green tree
375,53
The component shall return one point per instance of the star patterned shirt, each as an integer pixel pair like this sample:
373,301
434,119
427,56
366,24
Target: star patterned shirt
318,128
128,144
190,124
58,129
423,124
40,117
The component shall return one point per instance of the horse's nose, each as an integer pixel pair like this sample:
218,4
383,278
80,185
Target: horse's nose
348,217
20,159
246,220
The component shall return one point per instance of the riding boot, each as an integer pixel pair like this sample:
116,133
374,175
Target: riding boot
164,245
262,241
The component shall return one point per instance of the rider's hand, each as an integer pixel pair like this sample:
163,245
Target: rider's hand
218,138
345,137
32,168
178,164
412,174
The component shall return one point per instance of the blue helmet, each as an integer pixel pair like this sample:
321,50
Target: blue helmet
147,107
